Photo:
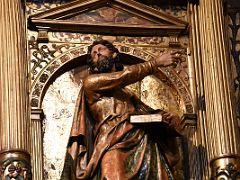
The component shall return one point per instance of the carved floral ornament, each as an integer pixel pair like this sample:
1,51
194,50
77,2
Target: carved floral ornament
176,76
15,170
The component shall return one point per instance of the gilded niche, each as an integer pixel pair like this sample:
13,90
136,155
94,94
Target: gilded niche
59,101
169,93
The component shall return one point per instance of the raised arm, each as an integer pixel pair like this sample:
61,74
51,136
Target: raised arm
110,81
131,74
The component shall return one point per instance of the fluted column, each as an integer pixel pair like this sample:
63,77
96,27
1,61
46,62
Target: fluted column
198,159
37,143
220,125
14,113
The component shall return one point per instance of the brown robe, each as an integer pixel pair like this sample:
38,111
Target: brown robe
105,145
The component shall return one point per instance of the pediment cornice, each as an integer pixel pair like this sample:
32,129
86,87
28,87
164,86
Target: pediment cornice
57,19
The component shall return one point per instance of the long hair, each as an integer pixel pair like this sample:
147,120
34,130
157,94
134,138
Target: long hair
111,47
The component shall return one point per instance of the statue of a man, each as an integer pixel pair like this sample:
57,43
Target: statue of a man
103,143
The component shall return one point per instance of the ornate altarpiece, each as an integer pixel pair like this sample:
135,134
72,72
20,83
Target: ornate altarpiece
58,40
58,36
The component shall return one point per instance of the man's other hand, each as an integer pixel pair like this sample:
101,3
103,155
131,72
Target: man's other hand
169,58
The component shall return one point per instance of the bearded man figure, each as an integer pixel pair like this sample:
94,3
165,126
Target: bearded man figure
103,144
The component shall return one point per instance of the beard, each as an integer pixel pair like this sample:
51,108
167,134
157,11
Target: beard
103,65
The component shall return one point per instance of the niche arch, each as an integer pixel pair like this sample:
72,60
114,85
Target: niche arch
130,55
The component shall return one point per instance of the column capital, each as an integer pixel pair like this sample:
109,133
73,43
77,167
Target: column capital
37,114
226,167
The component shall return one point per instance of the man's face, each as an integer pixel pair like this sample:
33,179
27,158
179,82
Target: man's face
101,58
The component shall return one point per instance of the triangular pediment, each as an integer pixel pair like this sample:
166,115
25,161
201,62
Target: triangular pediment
111,15
119,17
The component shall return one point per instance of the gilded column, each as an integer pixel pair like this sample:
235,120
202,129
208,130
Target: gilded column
198,160
219,124
14,113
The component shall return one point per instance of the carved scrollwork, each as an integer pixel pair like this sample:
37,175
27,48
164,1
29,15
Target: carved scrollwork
63,53
43,54
88,38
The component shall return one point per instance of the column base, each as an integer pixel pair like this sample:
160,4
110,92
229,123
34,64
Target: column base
15,164
225,168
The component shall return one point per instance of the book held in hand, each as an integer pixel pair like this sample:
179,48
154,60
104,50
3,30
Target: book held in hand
149,118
